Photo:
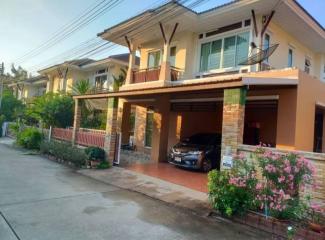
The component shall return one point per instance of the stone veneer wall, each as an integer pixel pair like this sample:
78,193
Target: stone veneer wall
111,129
233,119
318,159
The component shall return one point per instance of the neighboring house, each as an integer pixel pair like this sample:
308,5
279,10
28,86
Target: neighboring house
191,79
100,73
29,88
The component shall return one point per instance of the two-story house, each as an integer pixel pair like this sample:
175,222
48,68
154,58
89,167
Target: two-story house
100,73
252,70
29,88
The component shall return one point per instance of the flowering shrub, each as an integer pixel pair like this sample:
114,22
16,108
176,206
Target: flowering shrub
232,192
238,190
283,175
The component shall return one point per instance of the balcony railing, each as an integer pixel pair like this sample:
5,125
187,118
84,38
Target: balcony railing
152,74
175,73
146,75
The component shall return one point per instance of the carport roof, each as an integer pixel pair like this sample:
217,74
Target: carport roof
286,77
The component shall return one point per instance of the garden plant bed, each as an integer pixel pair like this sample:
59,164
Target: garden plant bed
277,227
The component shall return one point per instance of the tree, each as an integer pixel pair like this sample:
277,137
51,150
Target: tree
81,87
11,107
52,109
119,80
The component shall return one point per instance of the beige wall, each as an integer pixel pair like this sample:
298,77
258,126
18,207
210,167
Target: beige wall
310,92
279,59
187,57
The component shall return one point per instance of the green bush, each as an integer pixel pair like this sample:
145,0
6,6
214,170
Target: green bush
95,153
64,151
30,138
227,199
103,165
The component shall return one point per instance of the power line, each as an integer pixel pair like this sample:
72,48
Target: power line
174,11
72,28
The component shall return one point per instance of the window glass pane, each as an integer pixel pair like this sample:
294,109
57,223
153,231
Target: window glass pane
242,47
154,59
205,52
149,129
172,56
215,56
290,56
229,52
266,44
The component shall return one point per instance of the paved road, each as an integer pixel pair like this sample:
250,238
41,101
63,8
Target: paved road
43,200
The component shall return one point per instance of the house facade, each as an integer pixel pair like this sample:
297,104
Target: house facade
29,88
100,73
251,70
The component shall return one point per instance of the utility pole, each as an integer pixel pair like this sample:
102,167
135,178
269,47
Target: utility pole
2,70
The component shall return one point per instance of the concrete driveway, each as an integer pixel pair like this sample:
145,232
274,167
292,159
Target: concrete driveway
43,200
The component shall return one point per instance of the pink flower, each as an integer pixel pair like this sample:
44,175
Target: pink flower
259,186
281,179
287,169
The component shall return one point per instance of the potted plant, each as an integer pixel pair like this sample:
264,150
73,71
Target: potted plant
95,156
315,216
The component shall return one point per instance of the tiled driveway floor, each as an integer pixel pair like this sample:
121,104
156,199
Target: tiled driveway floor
165,171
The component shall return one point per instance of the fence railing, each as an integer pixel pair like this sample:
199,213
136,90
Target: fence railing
84,137
62,134
90,139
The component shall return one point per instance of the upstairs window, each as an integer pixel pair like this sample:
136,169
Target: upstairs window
100,81
172,56
267,43
154,59
307,65
101,71
290,57
224,53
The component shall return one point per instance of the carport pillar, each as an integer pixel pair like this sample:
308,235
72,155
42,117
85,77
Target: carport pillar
123,120
76,120
111,129
233,120
160,130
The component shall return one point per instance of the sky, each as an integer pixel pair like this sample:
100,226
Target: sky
25,24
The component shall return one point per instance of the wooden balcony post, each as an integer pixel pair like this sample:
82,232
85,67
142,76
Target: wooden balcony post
132,48
165,72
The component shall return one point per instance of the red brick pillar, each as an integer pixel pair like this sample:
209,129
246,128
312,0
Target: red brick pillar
76,120
111,129
233,120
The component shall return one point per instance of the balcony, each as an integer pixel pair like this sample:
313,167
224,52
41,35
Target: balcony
146,75
152,74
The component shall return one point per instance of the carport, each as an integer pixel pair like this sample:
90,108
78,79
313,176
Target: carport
247,113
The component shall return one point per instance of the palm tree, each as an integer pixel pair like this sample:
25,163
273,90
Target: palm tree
119,81
81,87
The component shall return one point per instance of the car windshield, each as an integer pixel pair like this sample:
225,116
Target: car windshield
203,139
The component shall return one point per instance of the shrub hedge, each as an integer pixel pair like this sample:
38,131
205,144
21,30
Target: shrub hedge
64,151
30,138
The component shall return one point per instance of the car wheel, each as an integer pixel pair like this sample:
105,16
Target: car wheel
206,165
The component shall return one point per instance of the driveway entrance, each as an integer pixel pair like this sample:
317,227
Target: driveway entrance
165,171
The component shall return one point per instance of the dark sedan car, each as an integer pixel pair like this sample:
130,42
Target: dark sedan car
200,151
